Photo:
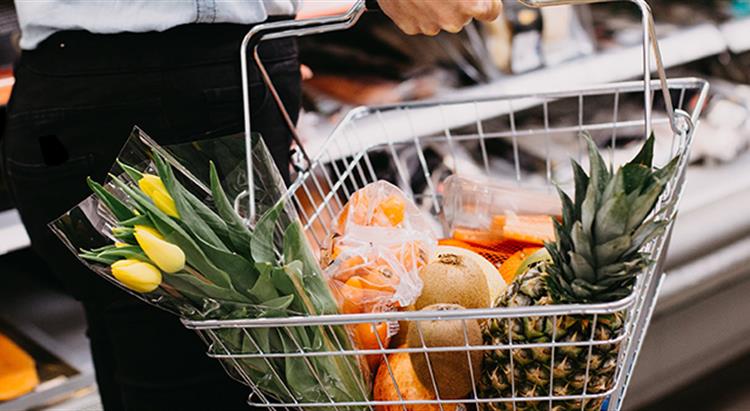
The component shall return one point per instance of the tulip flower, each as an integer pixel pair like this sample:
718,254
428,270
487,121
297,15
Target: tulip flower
167,256
154,188
136,275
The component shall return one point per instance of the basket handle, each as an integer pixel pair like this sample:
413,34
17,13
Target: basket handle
298,28
276,30
649,42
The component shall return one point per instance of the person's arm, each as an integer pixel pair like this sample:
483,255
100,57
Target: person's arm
430,16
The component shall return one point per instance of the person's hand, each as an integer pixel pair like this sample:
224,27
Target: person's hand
430,16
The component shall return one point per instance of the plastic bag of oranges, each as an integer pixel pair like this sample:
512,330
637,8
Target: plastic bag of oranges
378,245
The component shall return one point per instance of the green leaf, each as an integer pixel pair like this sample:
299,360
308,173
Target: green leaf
262,242
581,268
581,186
611,219
215,223
137,220
612,250
239,234
280,303
643,205
263,290
242,273
645,233
645,156
190,219
635,176
108,260
568,209
562,236
585,291
134,174
297,248
124,234
192,284
582,244
130,251
588,210
117,207
598,172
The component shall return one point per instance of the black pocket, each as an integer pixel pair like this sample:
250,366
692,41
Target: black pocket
44,192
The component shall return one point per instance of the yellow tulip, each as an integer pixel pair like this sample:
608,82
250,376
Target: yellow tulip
167,256
119,244
137,275
153,187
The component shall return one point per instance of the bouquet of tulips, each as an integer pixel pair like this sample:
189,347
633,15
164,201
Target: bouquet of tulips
157,230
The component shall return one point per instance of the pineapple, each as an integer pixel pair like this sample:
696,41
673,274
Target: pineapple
595,258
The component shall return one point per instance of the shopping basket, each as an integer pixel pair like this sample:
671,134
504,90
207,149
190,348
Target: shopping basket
392,142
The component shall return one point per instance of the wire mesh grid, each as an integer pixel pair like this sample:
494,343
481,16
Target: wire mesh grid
555,357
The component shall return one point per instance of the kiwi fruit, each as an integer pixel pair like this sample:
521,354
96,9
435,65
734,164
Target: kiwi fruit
453,279
450,368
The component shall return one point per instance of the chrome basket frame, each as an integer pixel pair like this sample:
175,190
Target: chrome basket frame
343,164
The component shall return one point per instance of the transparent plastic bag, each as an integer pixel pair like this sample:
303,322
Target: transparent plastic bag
500,210
379,242
501,221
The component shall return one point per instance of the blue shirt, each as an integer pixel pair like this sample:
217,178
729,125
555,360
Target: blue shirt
41,18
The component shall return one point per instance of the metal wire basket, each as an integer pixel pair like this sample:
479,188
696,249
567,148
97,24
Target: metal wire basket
392,142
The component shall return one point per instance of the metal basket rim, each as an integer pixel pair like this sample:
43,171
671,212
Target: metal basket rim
473,313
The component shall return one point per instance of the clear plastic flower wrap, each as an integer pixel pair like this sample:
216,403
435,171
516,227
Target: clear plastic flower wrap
164,228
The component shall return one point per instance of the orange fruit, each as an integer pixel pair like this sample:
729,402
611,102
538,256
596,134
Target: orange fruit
408,384
393,209
370,337
18,374
510,267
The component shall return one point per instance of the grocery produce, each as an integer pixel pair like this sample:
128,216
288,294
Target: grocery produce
372,337
510,267
18,374
453,279
596,258
526,228
495,282
475,236
452,370
380,240
406,387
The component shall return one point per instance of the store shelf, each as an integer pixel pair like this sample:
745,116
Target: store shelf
677,48
12,234
735,33
54,321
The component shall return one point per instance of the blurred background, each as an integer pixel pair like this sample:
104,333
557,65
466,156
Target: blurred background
697,351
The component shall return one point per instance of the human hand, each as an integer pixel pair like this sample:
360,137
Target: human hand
430,16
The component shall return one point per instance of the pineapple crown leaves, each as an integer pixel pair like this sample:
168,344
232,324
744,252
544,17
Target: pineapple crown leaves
596,255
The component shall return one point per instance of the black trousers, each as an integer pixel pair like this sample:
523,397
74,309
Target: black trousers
75,100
